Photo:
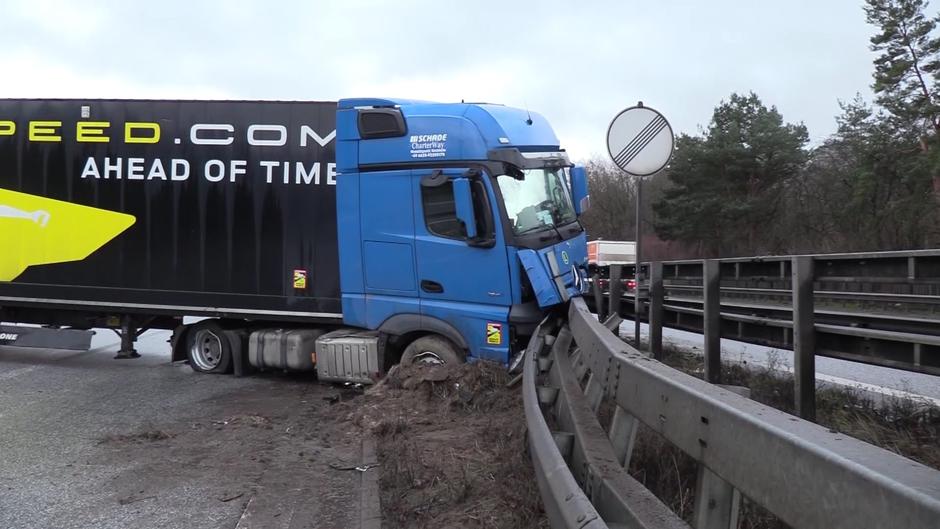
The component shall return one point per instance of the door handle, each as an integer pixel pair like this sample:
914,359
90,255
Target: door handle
432,287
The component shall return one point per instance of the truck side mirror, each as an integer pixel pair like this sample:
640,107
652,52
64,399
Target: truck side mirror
463,201
579,189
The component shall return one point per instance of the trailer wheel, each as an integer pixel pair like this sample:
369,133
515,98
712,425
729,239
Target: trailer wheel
209,348
432,350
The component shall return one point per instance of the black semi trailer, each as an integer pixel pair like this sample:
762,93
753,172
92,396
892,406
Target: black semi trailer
225,209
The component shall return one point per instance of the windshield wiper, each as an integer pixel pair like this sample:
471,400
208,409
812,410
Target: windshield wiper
581,226
555,211
554,224
542,227
534,228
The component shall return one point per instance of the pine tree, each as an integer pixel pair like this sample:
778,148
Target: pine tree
727,184
908,67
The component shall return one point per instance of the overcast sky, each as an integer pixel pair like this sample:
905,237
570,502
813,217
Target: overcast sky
578,63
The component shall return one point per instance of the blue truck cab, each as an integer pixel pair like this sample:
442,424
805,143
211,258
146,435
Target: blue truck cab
458,221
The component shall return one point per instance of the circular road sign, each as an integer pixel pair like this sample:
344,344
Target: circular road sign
640,141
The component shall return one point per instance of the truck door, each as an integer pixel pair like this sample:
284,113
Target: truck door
461,281
388,258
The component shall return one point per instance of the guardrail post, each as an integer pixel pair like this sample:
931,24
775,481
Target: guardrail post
622,435
598,297
656,309
616,291
911,275
717,503
804,337
594,392
711,319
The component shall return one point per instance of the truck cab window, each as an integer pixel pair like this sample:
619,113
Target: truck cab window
440,212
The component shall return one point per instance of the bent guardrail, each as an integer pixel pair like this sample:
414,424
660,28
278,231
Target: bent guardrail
803,473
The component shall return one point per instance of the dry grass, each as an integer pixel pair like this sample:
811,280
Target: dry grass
667,471
906,428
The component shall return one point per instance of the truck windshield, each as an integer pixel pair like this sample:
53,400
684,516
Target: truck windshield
539,200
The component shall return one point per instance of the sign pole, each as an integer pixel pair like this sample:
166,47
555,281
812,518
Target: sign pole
637,277
640,143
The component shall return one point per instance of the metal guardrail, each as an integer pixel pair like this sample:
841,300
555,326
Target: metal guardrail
803,473
880,308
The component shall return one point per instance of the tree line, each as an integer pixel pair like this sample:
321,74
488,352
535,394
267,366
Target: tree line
750,184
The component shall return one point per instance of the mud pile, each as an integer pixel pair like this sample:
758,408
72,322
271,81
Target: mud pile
451,443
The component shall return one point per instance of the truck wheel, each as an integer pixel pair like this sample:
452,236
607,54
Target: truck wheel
208,348
432,350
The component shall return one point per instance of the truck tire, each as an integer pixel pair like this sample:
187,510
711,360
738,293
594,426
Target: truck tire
432,350
209,348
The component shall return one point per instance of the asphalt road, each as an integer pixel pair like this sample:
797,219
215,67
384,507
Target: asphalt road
875,380
87,441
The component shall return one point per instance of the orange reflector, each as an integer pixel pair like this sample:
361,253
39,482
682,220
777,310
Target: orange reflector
313,357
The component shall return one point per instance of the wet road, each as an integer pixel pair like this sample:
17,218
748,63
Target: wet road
88,441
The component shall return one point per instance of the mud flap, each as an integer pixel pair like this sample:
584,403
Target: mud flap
178,343
238,339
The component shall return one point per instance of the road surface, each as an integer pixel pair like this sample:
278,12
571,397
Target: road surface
89,441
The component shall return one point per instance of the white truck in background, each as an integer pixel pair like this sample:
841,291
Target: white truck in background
605,253
602,254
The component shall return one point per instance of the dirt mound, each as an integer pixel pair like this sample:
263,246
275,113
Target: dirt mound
471,387
451,443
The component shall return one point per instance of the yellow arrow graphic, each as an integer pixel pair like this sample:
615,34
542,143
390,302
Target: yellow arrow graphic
36,230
